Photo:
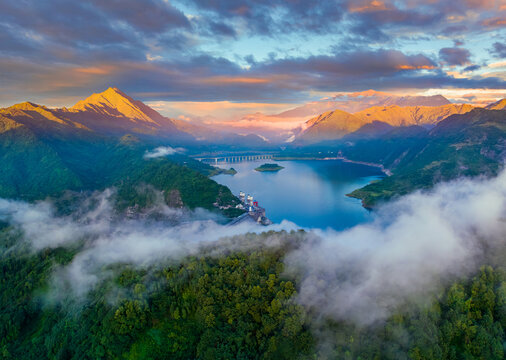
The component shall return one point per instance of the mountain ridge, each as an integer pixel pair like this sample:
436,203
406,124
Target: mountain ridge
396,115
335,124
498,105
362,100
114,113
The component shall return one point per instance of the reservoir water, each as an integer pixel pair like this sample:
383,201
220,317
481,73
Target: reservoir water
310,193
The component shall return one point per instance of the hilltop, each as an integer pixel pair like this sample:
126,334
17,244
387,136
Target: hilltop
112,111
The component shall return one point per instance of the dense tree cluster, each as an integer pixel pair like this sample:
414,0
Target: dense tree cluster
466,321
237,304
33,169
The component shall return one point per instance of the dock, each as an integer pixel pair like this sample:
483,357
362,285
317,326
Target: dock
253,211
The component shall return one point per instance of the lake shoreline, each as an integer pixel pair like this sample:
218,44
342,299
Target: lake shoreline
386,171
308,193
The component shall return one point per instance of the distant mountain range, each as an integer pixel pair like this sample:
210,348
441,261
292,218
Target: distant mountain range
411,115
113,113
336,124
268,125
359,101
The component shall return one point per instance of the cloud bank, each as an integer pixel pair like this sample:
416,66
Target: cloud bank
411,248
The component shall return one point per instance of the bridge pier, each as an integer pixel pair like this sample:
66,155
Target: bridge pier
214,160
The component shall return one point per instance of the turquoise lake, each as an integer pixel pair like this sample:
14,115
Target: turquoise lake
310,193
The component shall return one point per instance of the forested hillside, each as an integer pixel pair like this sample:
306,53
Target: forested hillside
233,305
37,166
471,144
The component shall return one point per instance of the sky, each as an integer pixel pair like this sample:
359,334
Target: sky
218,58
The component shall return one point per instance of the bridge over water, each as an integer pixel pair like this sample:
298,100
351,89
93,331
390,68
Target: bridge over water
233,158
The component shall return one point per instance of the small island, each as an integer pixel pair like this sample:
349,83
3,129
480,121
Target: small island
230,171
269,167
218,171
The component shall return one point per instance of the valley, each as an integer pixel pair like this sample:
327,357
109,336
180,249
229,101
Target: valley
127,234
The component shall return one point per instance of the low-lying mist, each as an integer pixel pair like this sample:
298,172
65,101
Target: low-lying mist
104,238
162,151
413,246
361,274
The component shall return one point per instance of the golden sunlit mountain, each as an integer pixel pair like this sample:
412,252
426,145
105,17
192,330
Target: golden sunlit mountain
330,125
335,124
113,112
498,105
110,112
358,101
411,115
115,103
38,118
